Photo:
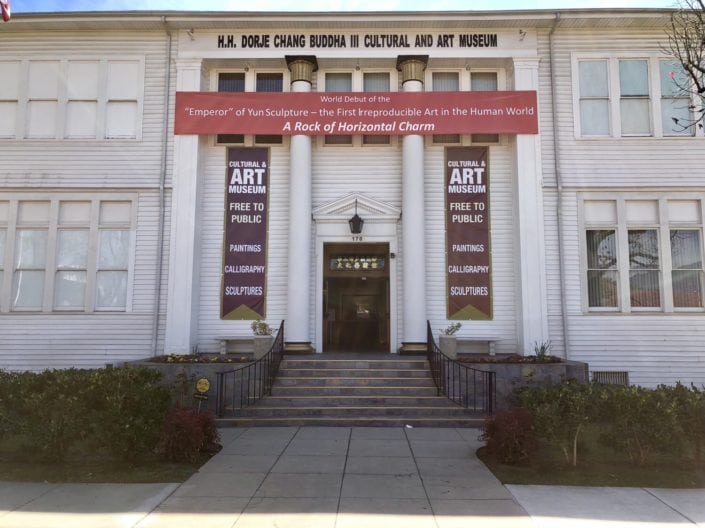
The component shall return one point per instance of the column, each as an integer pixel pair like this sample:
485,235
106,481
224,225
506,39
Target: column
298,313
182,301
413,220
528,192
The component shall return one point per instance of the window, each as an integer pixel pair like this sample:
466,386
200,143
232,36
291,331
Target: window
445,82
484,82
676,116
634,97
269,82
338,82
231,82
375,82
71,99
643,254
631,97
67,254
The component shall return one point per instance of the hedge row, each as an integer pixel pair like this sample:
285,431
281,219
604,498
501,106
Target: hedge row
119,410
636,421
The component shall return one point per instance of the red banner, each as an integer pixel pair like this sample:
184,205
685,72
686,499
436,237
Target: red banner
468,256
335,113
245,241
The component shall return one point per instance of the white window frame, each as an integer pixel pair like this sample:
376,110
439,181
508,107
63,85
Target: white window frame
464,75
52,227
614,96
21,132
357,86
250,86
621,228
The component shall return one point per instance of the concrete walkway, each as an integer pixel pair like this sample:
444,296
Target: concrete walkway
339,478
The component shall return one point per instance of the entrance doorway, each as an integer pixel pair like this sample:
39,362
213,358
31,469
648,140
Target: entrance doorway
356,298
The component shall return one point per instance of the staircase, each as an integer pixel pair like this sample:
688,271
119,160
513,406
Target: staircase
354,390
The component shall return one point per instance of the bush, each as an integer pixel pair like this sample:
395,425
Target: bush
560,413
509,436
128,410
187,434
690,413
50,411
641,422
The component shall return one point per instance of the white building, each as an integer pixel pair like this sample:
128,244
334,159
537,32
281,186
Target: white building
112,242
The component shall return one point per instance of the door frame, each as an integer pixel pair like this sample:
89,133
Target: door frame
381,226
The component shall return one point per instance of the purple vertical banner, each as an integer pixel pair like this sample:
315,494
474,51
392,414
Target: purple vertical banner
245,238
468,256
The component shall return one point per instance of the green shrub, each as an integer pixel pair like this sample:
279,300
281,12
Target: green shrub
641,422
560,412
187,434
128,406
690,412
509,436
50,411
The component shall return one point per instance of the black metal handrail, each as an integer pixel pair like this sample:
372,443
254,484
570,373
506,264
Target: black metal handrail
472,388
241,387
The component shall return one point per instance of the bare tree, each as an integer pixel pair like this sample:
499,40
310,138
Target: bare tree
686,44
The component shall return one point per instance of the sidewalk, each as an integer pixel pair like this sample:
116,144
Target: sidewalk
342,478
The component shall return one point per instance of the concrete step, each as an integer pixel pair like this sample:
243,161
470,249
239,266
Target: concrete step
347,364
317,391
474,421
373,400
287,372
264,410
318,381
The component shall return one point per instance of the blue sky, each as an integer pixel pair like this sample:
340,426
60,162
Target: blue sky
20,6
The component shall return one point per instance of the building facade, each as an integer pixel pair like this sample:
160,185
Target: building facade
131,157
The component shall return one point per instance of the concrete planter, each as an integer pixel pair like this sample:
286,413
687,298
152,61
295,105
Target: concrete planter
448,345
513,376
183,377
262,345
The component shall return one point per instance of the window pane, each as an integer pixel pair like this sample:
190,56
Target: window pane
81,119
338,82
376,82
643,249
674,80
483,81
644,274
41,119
594,117
338,140
114,248
28,289
8,118
644,288
593,78
601,249
31,247
633,77
72,250
676,117
445,81
602,289
602,275
231,82
111,289
685,249
121,119
270,82
635,116
69,289
687,288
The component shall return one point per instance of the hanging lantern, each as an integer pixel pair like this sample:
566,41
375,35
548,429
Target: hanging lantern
356,222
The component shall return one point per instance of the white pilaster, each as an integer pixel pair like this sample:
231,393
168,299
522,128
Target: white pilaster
298,322
413,233
182,304
533,316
